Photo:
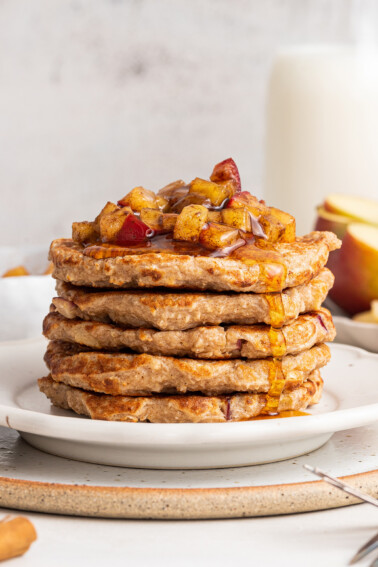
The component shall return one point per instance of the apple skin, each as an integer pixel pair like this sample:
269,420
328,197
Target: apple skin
356,271
331,222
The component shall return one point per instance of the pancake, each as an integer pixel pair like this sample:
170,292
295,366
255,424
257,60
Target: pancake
282,265
255,341
164,310
142,374
177,409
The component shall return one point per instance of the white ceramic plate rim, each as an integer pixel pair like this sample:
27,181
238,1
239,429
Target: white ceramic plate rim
179,434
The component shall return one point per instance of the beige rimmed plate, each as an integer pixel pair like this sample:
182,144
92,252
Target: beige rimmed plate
350,399
35,481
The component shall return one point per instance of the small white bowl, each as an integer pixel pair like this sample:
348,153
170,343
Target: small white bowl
363,335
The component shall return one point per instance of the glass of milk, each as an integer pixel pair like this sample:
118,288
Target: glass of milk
321,128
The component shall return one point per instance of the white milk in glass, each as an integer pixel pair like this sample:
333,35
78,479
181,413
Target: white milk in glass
322,128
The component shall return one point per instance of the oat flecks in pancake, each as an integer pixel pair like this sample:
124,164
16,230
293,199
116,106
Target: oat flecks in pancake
142,374
164,310
202,342
177,409
302,258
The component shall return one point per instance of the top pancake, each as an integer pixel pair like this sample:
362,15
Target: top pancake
301,259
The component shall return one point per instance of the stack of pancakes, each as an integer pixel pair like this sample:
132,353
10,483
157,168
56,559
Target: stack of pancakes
177,338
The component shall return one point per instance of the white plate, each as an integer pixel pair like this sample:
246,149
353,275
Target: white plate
363,335
350,400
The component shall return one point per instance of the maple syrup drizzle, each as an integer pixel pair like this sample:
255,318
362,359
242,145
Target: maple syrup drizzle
277,384
276,309
277,342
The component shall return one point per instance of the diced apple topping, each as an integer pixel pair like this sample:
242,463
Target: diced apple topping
133,231
227,170
278,226
84,232
111,224
109,208
217,194
160,222
245,199
267,222
190,223
171,189
215,235
140,198
190,199
214,213
238,218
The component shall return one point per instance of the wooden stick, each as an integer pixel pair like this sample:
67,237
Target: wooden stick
16,536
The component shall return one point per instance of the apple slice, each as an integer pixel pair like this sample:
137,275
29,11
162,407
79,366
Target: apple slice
356,208
332,222
356,269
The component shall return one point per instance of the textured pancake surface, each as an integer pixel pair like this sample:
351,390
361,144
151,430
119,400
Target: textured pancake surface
302,259
165,310
177,409
254,341
142,374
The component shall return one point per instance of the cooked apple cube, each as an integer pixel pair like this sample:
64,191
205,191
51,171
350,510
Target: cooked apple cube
139,198
190,199
169,190
168,221
109,208
245,199
216,193
151,217
215,216
238,218
177,196
215,235
190,223
133,231
287,220
272,227
227,170
111,224
159,222
277,225
83,232
161,203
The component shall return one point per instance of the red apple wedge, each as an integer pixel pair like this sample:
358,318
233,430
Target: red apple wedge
356,269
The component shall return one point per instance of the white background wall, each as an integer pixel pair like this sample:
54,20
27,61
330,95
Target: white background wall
97,96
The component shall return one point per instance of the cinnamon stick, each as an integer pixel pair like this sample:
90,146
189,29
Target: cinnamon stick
16,536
